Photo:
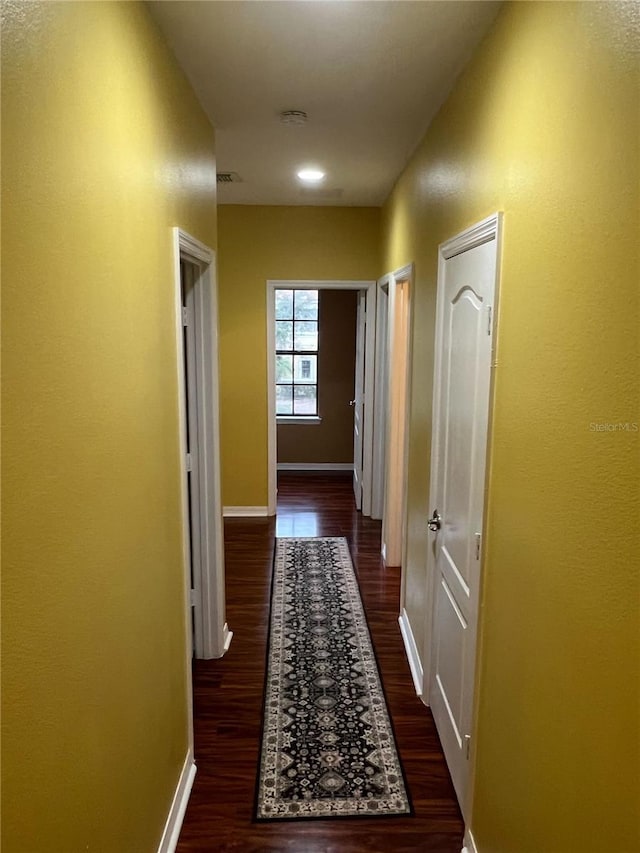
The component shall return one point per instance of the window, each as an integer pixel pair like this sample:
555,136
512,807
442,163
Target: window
297,353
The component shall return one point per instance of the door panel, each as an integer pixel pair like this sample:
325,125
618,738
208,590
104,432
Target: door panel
465,318
358,407
466,285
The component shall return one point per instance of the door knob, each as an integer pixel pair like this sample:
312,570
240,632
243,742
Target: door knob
352,402
435,521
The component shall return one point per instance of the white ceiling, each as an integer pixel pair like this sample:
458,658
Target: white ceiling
371,74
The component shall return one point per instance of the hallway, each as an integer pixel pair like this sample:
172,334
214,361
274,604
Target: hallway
228,694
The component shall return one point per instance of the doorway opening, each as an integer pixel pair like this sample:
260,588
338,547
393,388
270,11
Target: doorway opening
363,398
395,392
208,635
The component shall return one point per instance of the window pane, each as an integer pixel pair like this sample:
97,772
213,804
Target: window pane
284,397
284,304
304,400
284,335
306,336
284,368
304,368
306,305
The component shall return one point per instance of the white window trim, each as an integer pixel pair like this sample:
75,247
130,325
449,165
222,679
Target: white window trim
292,418
298,419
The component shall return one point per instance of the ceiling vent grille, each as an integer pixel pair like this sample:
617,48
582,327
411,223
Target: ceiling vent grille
294,118
228,178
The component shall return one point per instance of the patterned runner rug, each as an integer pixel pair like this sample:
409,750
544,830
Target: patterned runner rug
328,748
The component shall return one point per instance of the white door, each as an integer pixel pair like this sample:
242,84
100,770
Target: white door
358,401
464,343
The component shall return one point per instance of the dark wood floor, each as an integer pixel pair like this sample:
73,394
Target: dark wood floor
228,695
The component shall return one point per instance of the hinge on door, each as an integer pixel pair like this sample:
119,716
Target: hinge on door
488,319
188,461
193,598
185,315
467,740
478,541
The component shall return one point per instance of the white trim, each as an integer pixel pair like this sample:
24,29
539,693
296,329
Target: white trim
184,495
245,511
469,842
298,420
404,273
411,649
209,575
407,274
476,235
169,840
369,390
315,466
227,636
380,412
369,398
193,249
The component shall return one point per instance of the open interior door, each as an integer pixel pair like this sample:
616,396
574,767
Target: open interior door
358,401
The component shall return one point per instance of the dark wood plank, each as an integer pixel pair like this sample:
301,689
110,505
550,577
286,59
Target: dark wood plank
228,695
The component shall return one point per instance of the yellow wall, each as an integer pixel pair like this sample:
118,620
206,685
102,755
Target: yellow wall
104,148
544,125
256,244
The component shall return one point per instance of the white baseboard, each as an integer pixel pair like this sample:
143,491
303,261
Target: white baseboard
411,649
245,511
315,466
469,843
169,840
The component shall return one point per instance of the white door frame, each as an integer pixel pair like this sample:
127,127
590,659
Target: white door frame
213,636
359,397
482,232
272,452
380,410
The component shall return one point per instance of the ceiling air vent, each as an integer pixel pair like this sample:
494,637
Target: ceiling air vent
294,118
228,178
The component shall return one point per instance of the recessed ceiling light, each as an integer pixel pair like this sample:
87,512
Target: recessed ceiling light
311,176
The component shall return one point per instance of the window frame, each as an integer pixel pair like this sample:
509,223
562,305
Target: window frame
292,417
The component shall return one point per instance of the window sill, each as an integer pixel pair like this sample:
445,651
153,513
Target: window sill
298,419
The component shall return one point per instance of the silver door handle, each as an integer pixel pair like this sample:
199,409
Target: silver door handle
352,402
434,522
